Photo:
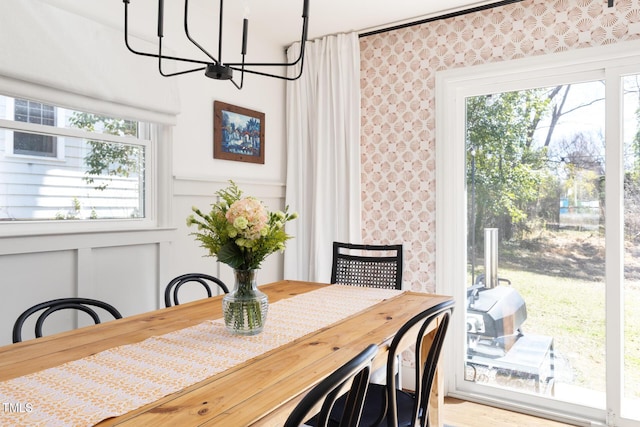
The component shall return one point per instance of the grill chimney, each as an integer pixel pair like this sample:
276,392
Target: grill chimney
490,257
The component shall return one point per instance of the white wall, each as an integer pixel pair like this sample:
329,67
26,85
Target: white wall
130,269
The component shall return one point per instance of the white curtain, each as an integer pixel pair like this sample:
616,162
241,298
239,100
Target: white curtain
323,154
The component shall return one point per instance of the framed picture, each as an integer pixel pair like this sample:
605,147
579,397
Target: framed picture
238,133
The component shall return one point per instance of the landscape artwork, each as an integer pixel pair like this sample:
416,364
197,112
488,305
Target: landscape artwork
238,133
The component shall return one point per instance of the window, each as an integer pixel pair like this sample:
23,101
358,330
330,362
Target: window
61,164
32,144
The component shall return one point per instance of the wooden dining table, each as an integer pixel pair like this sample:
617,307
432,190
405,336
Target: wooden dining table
260,391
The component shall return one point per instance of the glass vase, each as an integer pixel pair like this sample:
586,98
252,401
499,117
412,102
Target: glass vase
245,308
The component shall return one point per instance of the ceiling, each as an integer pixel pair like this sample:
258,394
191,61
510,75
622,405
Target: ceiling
281,19
338,16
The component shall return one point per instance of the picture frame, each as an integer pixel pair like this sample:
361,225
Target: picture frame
238,133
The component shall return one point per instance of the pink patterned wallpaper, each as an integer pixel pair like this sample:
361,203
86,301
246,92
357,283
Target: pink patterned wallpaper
398,103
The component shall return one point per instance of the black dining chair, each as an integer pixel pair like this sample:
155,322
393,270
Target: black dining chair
206,280
386,405
349,381
376,266
85,305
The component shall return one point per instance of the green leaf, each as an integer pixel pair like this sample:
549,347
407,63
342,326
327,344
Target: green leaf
231,255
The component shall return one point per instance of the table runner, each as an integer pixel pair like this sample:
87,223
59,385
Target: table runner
115,381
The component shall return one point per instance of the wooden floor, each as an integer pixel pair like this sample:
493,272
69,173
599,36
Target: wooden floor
460,413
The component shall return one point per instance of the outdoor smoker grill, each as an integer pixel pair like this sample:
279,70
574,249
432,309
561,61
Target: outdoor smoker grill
495,314
494,317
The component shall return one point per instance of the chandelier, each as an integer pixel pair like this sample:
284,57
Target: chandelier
216,68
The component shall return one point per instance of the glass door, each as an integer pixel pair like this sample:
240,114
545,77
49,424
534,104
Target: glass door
535,309
541,167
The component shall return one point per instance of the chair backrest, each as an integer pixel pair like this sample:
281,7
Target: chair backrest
376,266
430,325
352,377
171,291
86,305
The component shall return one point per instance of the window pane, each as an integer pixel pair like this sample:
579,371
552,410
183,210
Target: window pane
48,115
34,145
84,186
631,290
54,176
535,309
21,110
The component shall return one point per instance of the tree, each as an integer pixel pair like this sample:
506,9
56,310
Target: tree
507,168
253,129
108,158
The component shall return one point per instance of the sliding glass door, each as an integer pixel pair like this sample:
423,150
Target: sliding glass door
535,171
544,164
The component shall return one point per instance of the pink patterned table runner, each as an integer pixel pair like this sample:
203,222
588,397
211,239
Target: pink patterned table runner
113,382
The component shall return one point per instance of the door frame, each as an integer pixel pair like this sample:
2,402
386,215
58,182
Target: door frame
452,88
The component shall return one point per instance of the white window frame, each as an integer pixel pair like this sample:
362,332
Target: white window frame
157,189
452,88
54,152
9,142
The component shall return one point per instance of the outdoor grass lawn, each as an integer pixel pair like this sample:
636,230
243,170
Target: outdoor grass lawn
572,311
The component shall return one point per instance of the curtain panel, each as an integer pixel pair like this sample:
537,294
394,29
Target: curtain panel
323,154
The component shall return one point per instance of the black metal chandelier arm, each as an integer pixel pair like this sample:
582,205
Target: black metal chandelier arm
155,55
186,32
270,64
241,82
177,73
215,68
151,55
265,64
160,56
300,58
242,70
260,73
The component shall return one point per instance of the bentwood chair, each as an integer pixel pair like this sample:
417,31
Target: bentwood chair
386,405
376,266
85,305
207,281
351,378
